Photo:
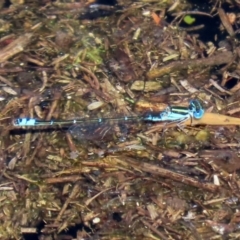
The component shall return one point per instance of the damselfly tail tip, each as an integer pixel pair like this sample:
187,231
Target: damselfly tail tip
21,122
15,122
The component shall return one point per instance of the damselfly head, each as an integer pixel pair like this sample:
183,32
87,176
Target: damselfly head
196,108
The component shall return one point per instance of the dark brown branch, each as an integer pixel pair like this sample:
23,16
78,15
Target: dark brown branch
218,59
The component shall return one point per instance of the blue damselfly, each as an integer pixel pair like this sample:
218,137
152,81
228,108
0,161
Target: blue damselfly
171,113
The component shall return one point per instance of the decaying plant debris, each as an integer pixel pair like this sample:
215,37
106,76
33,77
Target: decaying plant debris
84,59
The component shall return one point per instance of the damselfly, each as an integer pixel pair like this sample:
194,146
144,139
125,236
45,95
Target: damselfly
171,113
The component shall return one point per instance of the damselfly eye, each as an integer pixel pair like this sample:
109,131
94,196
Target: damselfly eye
194,105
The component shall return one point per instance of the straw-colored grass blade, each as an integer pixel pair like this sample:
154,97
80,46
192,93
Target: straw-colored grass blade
213,119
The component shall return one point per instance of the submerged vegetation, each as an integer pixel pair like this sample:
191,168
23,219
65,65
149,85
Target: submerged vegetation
176,178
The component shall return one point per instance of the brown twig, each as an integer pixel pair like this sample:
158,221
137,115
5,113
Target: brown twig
218,59
153,169
150,226
95,83
225,22
15,47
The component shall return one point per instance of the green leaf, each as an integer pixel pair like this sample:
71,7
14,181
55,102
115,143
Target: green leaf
189,20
